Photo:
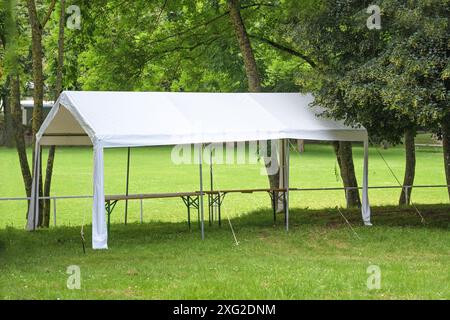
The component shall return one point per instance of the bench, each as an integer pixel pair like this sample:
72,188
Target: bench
191,200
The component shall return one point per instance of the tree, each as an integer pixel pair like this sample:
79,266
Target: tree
322,35
57,91
8,134
11,42
410,167
416,65
344,157
188,46
251,69
405,70
254,80
37,28
393,80
322,46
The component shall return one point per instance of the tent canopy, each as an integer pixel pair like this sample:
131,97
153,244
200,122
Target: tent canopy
133,119
118,119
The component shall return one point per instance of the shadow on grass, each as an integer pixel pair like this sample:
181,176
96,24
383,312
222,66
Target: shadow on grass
436,217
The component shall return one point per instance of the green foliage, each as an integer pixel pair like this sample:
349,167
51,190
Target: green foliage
174,46
387,80
14,42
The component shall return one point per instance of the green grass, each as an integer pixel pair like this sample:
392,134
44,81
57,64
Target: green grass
152,171
319,258
425,138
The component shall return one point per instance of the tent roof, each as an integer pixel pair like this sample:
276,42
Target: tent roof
121,119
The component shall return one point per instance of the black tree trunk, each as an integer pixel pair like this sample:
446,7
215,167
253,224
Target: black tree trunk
344,157
8,130
410,168
446,147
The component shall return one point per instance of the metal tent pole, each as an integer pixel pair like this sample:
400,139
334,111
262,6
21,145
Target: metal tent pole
211,182
211,177
286,180
127,185
200,157
365,208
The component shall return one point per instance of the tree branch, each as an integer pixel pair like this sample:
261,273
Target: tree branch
182,48
207,22
3,41
49,13
284,49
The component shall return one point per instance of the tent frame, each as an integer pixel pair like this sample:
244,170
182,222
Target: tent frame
81,132
32,223
215,199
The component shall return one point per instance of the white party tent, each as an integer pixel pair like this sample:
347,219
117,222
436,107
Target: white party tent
135,119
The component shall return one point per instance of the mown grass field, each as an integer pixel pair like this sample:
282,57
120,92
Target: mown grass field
161,259
153,171
319,258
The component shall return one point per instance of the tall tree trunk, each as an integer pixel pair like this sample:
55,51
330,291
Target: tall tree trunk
10,44
38,76
253,77
16,112
58,89
446,134
45,221
8,132
38,81
410,168
446,146
254,80
344,156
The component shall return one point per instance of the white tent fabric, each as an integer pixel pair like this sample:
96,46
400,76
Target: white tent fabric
132,119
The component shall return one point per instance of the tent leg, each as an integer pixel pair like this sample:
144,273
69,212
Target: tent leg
189,213
127,185
202,222
211,179
99,223
365,208
286,181
108,212
218,208
274,205
210,213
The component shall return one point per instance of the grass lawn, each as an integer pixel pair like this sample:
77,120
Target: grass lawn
153,171
319,258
